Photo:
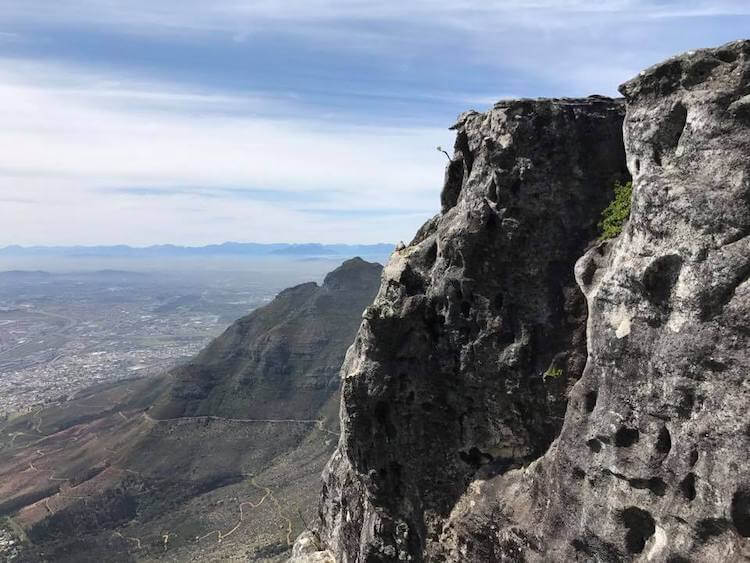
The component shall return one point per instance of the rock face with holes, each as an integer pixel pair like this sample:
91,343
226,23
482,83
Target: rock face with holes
652,462
450,409
462,365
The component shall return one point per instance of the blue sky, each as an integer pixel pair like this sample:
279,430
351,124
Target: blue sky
195,122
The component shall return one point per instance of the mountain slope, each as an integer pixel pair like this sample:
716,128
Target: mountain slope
169,468
281,360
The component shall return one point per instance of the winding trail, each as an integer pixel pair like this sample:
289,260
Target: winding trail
242,513
320,423
267,494
138,541
245,508
38,425
281,515
14,435
52,477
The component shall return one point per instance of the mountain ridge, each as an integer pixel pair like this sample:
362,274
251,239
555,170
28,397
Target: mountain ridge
231,443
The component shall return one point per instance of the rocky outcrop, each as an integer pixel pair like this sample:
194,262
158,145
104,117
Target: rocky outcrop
652,461
447,412
462,364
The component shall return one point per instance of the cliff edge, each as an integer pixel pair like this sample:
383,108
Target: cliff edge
479,341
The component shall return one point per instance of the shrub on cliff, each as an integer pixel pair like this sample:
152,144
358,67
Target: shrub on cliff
617,212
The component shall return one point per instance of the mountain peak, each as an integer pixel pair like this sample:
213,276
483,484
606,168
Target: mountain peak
353,274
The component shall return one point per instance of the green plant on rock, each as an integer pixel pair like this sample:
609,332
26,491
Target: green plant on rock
617,212
553,371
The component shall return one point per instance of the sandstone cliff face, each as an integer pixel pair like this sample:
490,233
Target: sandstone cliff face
652,462
446,410
446,378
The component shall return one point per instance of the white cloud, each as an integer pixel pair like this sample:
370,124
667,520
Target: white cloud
241,17
69,134
67,143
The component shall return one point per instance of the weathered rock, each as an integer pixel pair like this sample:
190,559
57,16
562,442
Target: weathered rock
307,549
462,364
445,405
652,462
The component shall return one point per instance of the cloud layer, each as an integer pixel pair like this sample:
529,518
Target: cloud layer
196,122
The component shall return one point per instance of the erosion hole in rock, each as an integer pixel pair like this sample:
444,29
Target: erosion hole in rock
412,282
687,486
626,437
660,278
462,144
640,525
710,527
383,417
741,512
687,402
594,445
693,458
590,267
656,485
727,56
431,255
475,457
670,131
491,192
664,441
590,401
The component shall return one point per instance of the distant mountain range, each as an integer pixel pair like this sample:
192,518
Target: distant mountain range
246,249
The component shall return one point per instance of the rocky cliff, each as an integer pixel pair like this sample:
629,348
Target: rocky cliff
479,341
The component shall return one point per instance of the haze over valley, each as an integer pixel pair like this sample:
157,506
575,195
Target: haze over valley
97,315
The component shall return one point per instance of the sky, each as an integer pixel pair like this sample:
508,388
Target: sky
194,122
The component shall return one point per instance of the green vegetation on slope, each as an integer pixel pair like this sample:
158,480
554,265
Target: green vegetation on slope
617,212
